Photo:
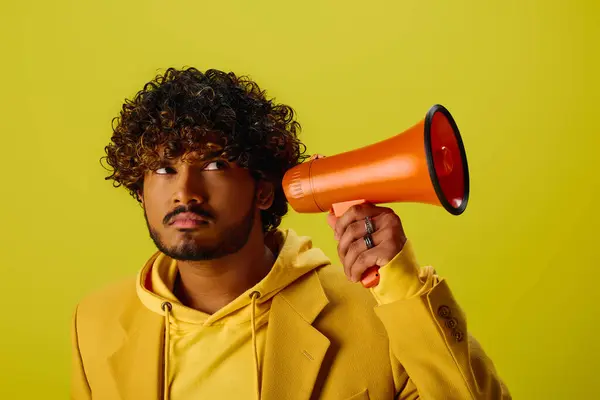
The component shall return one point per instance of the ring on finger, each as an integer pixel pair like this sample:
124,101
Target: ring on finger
369,225
369,241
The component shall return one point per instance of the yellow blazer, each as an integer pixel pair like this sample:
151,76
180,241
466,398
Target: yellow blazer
327,339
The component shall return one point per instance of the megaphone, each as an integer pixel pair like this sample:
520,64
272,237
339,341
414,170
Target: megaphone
427,164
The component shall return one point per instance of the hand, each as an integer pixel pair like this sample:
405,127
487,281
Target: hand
350,230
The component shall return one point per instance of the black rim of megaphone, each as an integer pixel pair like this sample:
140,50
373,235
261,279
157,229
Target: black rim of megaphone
463,155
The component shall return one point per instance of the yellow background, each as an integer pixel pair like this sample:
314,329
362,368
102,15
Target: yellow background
520,77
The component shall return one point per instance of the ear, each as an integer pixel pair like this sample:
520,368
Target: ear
265,194
140,195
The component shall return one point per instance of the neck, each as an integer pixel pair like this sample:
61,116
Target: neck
208,286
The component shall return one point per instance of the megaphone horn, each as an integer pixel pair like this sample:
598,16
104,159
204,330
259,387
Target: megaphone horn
427,163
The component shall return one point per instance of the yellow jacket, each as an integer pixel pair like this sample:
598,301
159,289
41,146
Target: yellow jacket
326,338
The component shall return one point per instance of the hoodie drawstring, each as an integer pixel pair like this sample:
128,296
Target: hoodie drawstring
254,296
166,307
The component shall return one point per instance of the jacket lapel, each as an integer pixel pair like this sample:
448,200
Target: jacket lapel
136,365
294,350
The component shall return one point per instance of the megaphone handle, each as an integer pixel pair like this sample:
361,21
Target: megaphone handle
370,277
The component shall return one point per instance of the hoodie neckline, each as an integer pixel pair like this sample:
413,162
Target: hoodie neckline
295,257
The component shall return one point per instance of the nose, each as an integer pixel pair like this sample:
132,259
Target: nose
189,186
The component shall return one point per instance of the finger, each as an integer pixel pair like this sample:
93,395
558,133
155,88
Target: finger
357,247
359,258
316,157
357,212
357,230
366,260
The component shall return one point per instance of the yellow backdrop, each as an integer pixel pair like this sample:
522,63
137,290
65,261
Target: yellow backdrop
520,77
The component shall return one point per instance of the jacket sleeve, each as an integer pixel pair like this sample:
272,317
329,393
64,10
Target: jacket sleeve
428,336
80,389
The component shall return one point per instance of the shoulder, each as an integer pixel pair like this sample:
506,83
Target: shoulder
102,317
106,303
349,301
338,287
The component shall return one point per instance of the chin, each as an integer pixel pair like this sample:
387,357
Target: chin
194,242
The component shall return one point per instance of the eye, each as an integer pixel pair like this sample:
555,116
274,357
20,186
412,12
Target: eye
216,165
164,170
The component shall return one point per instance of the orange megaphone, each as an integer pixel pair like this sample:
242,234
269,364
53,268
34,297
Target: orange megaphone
425,164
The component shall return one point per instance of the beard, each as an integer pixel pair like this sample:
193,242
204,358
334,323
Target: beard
230,241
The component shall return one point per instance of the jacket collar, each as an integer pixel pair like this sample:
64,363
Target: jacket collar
294,349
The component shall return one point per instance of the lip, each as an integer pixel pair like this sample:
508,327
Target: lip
188,220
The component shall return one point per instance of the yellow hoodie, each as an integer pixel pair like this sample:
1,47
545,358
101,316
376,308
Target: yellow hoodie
203,353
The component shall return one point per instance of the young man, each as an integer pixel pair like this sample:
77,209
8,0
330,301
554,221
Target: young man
233,307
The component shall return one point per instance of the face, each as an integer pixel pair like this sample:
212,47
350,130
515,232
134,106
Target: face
201,210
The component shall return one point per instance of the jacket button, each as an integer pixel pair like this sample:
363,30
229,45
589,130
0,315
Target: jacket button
444,311
458,335
451,323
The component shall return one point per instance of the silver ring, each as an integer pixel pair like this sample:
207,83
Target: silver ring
369,225
369,241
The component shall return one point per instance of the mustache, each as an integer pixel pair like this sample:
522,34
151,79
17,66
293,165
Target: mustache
194,209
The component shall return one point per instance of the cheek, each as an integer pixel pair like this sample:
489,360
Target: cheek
236,196
154,204
153,214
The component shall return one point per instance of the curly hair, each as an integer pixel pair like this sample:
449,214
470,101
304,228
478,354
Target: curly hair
214,114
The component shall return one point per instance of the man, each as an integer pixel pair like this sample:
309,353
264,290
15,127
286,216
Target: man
233,307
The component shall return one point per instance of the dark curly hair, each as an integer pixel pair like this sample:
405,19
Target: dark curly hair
213,113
